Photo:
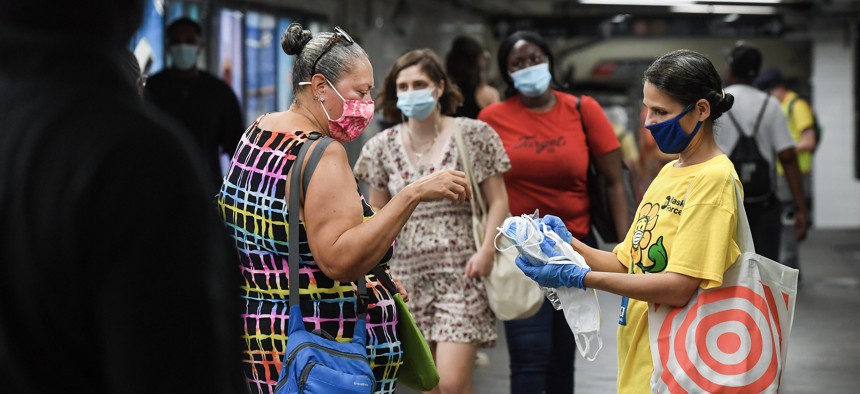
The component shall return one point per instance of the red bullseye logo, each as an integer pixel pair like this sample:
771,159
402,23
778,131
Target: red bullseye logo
728,341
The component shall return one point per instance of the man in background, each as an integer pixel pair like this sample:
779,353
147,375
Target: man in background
757,116
205,105
115,274
801,124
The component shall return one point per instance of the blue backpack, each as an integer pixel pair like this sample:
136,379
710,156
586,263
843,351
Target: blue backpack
314,364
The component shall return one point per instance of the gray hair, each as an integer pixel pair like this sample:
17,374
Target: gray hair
339,60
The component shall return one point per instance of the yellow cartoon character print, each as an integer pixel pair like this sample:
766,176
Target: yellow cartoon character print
642,240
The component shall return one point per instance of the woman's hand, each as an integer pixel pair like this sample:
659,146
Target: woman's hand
445,184
557,226
480,264
401,289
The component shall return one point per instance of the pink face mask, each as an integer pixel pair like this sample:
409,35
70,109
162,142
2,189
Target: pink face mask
355,118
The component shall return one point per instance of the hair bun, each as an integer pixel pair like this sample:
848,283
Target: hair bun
723,102
295,38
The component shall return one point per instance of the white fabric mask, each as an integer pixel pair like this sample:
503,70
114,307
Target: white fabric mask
581,307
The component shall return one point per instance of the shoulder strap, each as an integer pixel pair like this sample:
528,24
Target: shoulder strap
760,115
745,240
741,133
581,118
294,203
791,104
466,163
313,161
757,121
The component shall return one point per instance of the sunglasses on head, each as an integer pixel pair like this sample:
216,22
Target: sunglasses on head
337,35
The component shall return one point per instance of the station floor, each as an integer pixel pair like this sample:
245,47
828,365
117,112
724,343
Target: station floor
824,348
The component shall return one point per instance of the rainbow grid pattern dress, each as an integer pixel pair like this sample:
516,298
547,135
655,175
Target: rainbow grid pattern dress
253,206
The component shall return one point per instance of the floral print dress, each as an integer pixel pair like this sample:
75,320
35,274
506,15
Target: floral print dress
437,241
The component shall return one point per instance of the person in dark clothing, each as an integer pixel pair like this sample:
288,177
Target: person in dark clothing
114,268
466,64
204,104
133,70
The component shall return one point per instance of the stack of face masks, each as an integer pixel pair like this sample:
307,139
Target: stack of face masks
581,307
526,236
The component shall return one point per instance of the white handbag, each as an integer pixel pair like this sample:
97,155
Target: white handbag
733,338
511,294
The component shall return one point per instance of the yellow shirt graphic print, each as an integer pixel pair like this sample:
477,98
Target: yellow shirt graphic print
642,237
685,224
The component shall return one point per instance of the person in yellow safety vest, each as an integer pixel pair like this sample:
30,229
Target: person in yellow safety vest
802,125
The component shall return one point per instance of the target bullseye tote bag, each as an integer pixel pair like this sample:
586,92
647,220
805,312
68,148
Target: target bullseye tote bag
729,339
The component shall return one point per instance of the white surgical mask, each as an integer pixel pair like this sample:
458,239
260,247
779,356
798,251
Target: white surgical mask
522,233
416,104
581,307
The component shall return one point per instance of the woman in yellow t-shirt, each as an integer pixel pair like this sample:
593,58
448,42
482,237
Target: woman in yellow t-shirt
684,232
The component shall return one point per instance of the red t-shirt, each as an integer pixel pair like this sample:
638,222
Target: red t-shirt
549,155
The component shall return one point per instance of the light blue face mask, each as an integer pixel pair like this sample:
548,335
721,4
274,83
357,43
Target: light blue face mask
184,56
532,81
416,104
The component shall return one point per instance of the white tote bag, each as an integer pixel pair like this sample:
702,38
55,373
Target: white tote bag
729,339
511,294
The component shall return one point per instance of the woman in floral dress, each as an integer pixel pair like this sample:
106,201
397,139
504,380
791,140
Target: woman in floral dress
437,259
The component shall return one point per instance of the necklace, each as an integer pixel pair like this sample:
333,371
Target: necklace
420,155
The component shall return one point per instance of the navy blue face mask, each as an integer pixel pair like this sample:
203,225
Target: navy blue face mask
670,136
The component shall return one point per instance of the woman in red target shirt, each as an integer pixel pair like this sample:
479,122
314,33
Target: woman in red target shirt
541,129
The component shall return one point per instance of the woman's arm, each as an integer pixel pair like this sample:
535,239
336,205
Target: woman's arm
807,141
608,274
493,189
343,244
610,166
664,288
598,260
378,198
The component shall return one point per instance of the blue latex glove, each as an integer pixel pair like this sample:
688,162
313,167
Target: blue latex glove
546,248
557,225
554,275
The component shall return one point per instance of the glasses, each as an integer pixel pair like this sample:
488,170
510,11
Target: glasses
339,34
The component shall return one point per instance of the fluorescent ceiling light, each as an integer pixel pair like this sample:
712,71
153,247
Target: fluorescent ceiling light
723,9
675,2
635,2
739,1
